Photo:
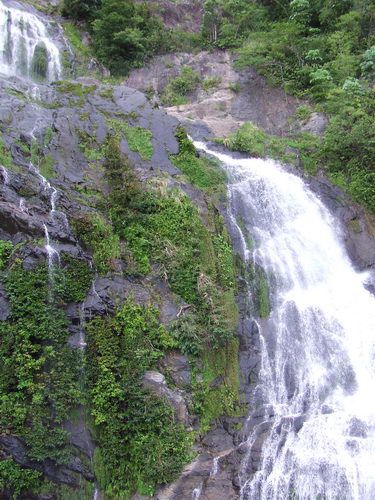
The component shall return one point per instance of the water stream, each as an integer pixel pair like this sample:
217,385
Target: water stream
317,376
26,49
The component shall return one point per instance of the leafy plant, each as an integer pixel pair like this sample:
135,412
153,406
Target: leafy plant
140,442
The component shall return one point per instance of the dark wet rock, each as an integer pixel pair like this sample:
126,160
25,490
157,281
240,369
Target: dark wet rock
79,434
177,367
356,229
68,474
316,124
4,304
218,440
155,382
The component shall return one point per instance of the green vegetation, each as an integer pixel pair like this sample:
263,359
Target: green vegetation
215,390
200,171
125,34
75,89
211,83
73,280
140,442
303,148
39,65
263,296
6,159
80,9
39,381
97,234
138,138
14,478
6,248
177,90
46,167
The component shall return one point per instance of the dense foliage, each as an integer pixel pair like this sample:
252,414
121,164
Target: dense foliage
140,442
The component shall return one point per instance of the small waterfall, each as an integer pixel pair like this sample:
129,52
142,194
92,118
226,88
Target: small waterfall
197,492
215,467
53,259
22,205
317,345
26,49
5,174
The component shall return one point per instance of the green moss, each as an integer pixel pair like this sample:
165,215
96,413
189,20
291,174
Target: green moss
106,93
6,159
263,296
138,138
91,149
17,93
48,136
39,64
47,167
75,89
202,172
216,388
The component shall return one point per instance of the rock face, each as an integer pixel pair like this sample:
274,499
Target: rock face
155,383
236,97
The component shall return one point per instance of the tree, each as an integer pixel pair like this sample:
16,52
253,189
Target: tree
125,33
80,9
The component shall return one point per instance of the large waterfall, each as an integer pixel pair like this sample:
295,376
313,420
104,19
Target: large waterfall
316,388
26,49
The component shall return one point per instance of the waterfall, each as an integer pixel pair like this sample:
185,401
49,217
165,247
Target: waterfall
26,49
316,383
215,467
5,175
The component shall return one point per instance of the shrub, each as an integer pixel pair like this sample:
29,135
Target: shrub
97,234
6,248
178,88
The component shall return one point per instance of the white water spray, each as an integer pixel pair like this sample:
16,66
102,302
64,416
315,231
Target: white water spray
318,344
26,49
197,492
215,467
5,175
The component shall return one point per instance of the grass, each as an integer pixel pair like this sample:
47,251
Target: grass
200,171
211,83
139,139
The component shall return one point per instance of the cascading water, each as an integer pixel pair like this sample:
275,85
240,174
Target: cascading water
26,50
318,344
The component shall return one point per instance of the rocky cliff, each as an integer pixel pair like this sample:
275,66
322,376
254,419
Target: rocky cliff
128,343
